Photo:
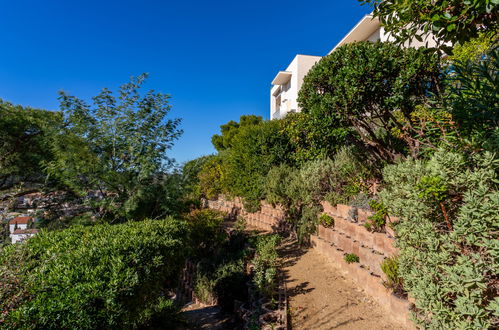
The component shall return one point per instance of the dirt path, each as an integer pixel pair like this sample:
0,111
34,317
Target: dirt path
320,297
207,317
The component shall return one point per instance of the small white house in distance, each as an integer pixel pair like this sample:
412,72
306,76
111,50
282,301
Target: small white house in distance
287,84
20,235
19,223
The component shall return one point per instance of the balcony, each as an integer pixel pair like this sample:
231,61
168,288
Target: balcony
282,78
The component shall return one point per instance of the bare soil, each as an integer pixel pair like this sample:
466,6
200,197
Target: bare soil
320,297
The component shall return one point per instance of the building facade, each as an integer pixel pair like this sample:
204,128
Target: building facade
287,84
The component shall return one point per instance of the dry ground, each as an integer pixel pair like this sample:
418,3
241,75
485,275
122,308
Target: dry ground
320,297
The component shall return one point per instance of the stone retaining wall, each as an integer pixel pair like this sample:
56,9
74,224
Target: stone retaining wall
348,235
268,218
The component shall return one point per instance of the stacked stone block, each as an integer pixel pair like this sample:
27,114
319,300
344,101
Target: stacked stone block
268,218
347,236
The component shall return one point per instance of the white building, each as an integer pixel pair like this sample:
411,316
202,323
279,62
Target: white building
19,223
287,84
19,229
20,235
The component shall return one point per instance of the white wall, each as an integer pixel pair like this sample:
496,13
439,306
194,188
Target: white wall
19,226
298,68
15,238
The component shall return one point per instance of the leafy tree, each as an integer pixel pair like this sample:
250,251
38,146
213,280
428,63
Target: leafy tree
211,177
231,129
371,87
313,137
256,148
190,174
25,134
117,146
94,277
454,21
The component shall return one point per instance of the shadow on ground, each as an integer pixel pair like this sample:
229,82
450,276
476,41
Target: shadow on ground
209,317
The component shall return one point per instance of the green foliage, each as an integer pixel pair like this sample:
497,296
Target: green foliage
117,146
226,284
255,149
377,221
391,269
465,116
190,176
314,137
351,258
266,264
326,220
307,223
277,185
25,135
222,275
102,276
206,234
362,85
472,98
474,49
453,21
240,224
231,129
211,177
300,191
448,249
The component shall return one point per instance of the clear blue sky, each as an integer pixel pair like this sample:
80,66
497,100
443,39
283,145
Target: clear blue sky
216,58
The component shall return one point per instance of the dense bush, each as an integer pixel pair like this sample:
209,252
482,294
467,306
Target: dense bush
266,264
241,167
390,266
315,138
206,234
369,86
300,191
96,277
448,236
222,275
211,177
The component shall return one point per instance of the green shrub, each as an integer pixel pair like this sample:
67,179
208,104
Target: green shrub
307,223
448,237
240,224
391,269
350,258
377,221
211,177
266,264
206,234
222,274
101,276
326,220
315,138
337,91
277,185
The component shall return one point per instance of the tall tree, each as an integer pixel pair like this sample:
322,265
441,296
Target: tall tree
24,136
117,146
228,131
